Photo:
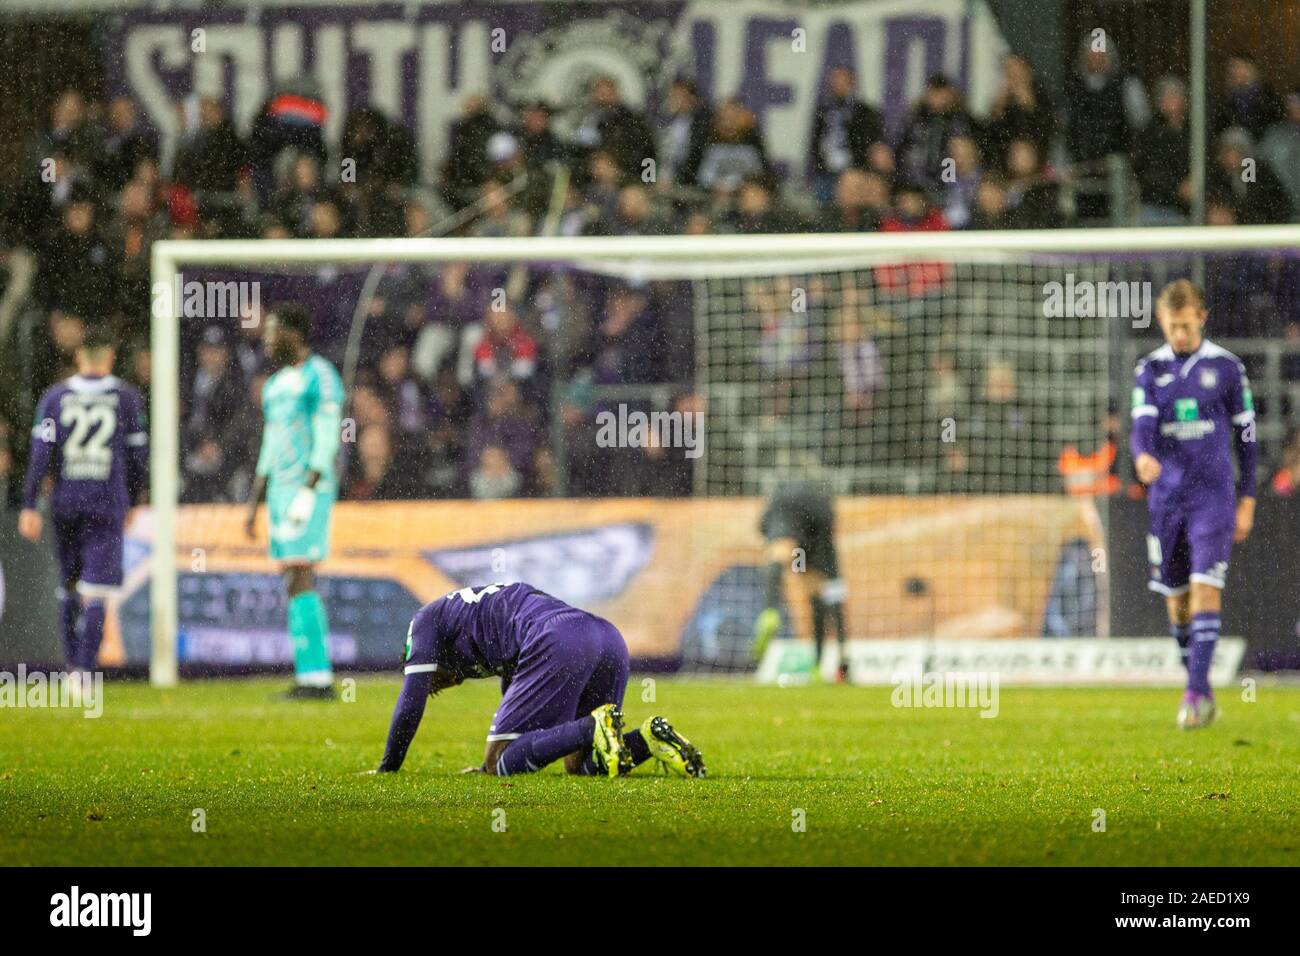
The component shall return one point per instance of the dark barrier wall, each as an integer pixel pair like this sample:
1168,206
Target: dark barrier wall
29,626
1261,602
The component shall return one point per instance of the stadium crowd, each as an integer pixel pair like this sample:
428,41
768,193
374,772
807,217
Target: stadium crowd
456,394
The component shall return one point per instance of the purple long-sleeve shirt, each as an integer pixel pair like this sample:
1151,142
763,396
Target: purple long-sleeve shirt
473,632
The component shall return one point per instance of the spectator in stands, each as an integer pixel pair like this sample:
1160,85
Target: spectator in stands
212,421
503,348
734,150
384,151
1032,193
1280,148
70,134
210,153
1021,110
130,236
785,339
466,164
861,367
291,119
861,203
1104,105
946,394
79,271
298,189
216,397
126,144
614,127
605,183
635,214
504,423
913,212
538,144
628,339
1003,457
683,133
6,463
961,181
404,394
1247,102
1162,161
325,221
1286,480
377,474
494,476
453,302
1249,186
843,131
991,211
758,212
936,119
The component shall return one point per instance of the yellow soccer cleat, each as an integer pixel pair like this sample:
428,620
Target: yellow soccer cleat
607,746
765,628
673,751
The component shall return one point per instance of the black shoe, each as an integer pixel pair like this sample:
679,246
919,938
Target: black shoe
306,692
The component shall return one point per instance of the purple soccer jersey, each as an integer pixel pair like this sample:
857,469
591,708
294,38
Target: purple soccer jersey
1192,412
89,435
555,662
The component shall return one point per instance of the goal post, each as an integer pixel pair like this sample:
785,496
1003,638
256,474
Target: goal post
711,261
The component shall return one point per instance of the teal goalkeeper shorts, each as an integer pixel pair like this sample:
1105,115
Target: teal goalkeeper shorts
300,543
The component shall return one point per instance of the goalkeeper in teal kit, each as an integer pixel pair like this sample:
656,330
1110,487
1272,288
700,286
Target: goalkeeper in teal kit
302,408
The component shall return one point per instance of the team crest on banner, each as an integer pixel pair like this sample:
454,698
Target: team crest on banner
557,64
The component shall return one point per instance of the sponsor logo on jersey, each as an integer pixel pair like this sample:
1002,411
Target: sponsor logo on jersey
1163,380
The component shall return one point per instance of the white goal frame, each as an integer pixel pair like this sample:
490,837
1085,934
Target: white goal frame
679,256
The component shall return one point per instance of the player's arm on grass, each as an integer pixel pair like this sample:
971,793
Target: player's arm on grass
39,464
406,719
1240,404
1142,438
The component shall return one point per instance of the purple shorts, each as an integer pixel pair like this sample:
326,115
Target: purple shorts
1189,545
571,666
89,550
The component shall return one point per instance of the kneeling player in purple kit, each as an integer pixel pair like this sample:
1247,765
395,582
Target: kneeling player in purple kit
1191,406
89,436
563,672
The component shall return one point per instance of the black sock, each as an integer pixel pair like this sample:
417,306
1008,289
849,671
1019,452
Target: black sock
819,626
837,619
639,748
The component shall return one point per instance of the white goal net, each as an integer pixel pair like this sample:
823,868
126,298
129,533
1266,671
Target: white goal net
962,394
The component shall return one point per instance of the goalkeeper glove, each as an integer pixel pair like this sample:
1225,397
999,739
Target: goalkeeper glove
302,506
765,629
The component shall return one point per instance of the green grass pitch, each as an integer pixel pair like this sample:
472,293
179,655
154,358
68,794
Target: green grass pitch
873,784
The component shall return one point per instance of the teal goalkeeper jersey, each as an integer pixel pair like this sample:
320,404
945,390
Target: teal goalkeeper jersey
302,409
